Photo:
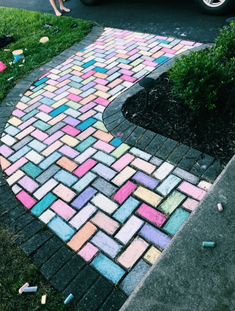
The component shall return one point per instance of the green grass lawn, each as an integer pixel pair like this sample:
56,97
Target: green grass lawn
15,270
27,28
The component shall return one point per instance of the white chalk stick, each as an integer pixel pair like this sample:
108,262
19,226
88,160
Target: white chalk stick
23,287
220,207
43,299
31,289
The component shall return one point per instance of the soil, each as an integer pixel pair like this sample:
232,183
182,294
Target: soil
158,111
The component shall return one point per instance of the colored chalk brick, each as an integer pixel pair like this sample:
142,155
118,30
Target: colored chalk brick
108,268
124,192
43,204
150,214
61,228
82,236
176,221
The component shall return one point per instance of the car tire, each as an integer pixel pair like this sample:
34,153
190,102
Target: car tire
225,7
89,2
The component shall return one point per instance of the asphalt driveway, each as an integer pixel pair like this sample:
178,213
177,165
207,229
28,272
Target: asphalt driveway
177,18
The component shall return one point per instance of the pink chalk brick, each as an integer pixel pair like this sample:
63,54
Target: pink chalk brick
123,162
124,192
18,113
14,167
101,145
63,209
133,252
53,138
105,222
102,102
70,130
74,98
192,190
45,108
88,252
28,184
101,81
87,107
87,115
39,135
85,167
128,78
26,199
6,151
152,215
170,51
88,132
190,204
88,74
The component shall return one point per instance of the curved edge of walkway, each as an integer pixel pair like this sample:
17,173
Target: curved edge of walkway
188,277
66,271
167,149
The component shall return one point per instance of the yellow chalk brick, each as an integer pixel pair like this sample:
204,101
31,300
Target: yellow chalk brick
50,88
21,106
152,255
148,196
57,119
123,176
102,94
87,99
100,126
69,140
59,103
15,121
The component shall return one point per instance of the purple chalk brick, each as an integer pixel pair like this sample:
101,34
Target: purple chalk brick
155,236
145,180
84,198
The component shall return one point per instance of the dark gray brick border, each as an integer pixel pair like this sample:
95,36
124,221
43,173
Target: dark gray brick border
62,267
189,159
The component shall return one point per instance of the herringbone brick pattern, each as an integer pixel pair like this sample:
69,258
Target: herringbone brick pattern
115,205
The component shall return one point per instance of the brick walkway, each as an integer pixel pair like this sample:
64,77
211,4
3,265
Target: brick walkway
114,205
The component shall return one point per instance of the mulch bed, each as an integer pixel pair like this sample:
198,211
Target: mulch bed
161,113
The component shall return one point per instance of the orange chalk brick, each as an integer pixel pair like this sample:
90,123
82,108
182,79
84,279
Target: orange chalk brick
82,236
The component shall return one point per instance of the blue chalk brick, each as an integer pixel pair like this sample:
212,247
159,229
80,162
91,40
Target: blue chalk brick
84,125
42,205
65,177
88,64
161,60
126,210
58,111
41,125
176,221
49,160
31,170
116,142
108,268
19,154
39,82
29,115
100,70
86,144
64,231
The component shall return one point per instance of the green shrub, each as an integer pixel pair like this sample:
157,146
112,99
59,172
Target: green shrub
203,80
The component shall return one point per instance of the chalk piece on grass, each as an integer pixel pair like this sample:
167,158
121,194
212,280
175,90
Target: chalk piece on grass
23,287
32,289
43,299
220,207
208,244
69,299
44,40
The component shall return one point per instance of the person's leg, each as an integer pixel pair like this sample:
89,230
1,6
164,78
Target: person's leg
62,7
57,12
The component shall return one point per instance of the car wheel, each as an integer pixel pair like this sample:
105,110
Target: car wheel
215,6
90,2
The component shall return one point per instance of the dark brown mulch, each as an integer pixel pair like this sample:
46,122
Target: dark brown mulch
160,112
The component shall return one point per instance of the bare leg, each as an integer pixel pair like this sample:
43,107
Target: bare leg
57,12
62,7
